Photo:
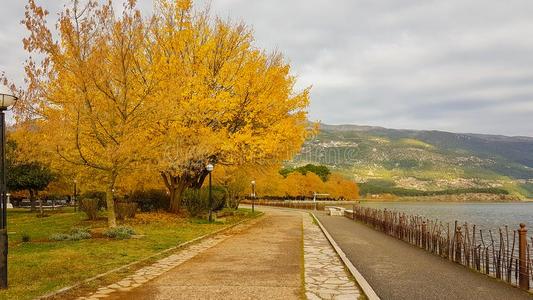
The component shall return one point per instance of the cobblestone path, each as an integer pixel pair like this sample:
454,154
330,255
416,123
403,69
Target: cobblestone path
325,276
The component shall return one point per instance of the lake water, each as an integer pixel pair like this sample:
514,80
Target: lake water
484,215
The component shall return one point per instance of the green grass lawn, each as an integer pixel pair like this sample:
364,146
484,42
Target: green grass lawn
41,266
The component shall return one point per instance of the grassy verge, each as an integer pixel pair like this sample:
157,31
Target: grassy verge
41,266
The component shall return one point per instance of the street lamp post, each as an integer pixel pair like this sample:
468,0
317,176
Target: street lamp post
75,200
209,169
7,99
253,195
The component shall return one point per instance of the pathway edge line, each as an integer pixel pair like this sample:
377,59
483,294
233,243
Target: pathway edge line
184,244
365,286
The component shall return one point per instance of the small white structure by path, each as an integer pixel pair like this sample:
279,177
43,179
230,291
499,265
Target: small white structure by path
335,210
8,205
315,195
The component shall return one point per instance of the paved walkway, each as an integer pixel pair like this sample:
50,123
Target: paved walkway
397,270
325,275
145,274
263,261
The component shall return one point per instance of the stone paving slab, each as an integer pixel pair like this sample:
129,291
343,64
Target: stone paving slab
325,275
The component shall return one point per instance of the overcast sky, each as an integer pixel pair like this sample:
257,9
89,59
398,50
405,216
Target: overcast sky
454,65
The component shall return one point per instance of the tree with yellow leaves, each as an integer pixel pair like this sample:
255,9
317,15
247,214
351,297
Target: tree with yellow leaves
91,94
270,182
229,103
113,95
341,188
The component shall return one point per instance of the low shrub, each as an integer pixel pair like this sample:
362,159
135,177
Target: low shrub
219,198
80,236
76,234
100,196
59,237
196,201
25,238
119,233
151,200
125,210
90,207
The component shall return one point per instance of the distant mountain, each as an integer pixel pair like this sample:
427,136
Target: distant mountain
422,159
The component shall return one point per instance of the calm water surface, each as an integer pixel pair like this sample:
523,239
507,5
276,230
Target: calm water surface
484,215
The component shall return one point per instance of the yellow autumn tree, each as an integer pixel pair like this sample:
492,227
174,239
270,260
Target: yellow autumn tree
236,181
90,94
115,99
270,183
230,103
295,184
341,188
312,184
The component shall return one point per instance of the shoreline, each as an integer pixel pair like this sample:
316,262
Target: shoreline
442,202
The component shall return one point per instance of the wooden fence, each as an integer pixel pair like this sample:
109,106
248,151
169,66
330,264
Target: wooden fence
504,253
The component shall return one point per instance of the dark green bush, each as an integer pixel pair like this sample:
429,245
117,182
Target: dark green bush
119,233
90,207
388,187
151,200
219,198
96,195
125,210
321,171
196,201
25,238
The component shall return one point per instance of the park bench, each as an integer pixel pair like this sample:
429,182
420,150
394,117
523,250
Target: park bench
334,210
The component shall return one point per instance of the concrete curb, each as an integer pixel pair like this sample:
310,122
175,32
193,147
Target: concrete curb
365,286
182,245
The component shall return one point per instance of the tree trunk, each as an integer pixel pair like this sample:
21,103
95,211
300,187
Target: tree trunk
172,196
32,200
178,194
40,205
110,202
199,180
176,185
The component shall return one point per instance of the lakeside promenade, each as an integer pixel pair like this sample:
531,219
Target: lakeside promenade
281,255
397,270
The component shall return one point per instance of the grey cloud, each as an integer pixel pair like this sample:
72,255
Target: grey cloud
464,66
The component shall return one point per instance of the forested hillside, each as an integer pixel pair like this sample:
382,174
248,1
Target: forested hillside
424,160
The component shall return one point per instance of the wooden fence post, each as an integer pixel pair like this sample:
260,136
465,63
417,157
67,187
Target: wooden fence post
458,244
523,270
424,229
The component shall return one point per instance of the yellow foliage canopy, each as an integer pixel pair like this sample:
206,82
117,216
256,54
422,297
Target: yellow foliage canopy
121,98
